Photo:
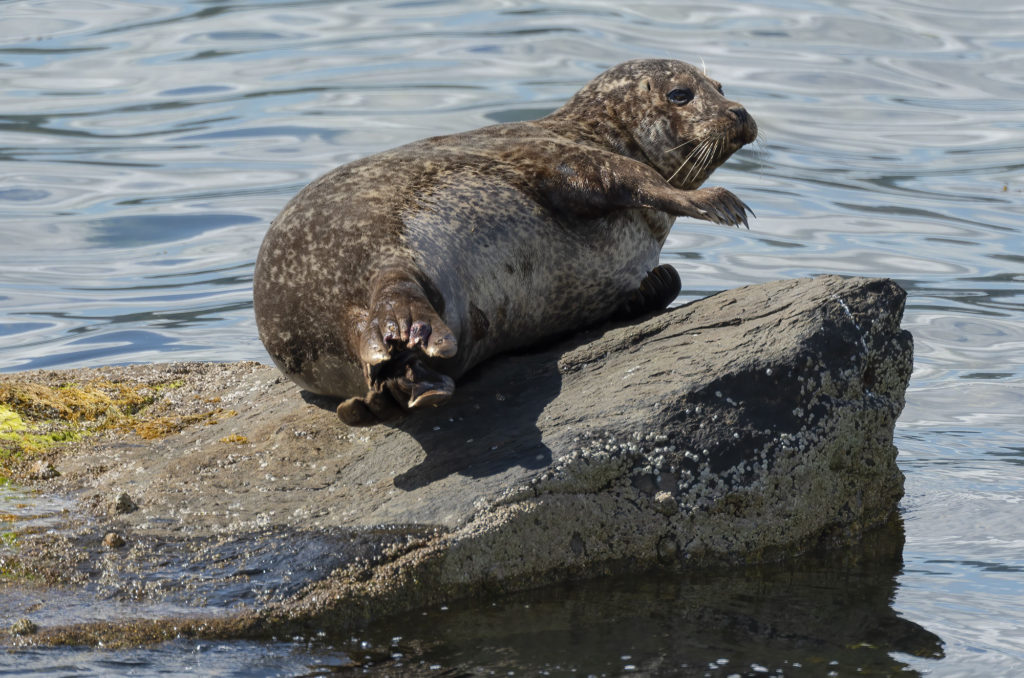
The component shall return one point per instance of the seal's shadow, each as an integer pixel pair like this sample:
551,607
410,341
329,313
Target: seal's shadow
490,424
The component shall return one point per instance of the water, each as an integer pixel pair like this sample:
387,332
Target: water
145,146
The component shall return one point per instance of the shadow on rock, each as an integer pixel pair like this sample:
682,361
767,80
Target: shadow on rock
489,426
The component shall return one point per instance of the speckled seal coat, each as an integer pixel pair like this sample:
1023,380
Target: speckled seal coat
387,278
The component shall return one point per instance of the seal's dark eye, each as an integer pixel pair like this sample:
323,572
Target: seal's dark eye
680,96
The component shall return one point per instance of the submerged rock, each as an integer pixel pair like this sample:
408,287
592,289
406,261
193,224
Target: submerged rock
751,425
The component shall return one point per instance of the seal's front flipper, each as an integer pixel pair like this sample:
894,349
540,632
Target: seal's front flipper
714,203
658,290
719,206
584,186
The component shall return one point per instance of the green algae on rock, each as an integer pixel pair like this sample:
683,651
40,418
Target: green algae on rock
41,409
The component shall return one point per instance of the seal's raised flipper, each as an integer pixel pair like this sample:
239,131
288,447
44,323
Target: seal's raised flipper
720,206
658,290
714,204
602,182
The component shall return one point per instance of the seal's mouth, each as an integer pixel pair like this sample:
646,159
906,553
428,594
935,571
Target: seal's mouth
695,159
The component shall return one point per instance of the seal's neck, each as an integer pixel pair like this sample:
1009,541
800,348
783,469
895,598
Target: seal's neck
599,131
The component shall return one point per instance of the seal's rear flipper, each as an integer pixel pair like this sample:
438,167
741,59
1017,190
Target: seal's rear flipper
354,412
658,290
402,383
419,386
402,316
375,407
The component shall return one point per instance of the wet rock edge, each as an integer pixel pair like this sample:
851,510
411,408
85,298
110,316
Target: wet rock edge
775,438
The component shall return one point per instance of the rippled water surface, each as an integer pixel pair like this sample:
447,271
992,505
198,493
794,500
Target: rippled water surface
145,146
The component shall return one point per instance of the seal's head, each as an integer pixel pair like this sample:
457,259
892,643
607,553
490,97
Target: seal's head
665,113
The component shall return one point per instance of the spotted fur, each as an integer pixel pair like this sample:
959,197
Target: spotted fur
434,256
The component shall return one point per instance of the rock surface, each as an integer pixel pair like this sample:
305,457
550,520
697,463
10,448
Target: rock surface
754,424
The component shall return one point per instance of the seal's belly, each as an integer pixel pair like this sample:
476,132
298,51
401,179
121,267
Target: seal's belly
513,271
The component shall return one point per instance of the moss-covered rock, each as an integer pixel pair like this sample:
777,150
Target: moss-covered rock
39,410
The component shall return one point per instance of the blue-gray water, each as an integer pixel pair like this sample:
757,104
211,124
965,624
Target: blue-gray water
145,146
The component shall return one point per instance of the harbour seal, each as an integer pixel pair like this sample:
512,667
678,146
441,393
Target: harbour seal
389,277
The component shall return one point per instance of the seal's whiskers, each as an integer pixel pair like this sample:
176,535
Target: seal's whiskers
687,140
696,149
703,159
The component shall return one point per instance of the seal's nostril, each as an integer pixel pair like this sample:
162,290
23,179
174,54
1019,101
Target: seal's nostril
740,113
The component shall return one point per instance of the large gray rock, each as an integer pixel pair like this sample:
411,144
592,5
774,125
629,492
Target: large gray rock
751,425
